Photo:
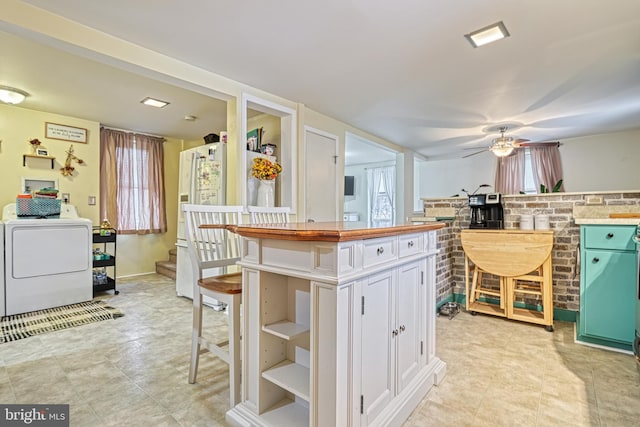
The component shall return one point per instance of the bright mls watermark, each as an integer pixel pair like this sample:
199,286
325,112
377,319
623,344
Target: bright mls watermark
34,415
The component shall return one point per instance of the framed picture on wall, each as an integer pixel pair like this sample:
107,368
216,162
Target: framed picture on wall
42,152
65,133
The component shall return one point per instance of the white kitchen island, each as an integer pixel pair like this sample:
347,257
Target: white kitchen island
339,324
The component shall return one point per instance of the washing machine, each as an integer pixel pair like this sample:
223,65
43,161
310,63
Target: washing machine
1,268
48,262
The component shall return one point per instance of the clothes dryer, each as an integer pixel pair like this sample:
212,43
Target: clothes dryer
48,262
2,269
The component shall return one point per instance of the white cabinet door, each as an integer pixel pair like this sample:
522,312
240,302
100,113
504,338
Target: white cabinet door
408,308
378,319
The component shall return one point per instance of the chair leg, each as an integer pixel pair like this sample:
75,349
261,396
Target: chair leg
234,351
474,284
196,333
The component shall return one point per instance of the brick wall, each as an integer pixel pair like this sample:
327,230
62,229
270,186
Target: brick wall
559,207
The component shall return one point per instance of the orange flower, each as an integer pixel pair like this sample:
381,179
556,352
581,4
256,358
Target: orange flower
265,169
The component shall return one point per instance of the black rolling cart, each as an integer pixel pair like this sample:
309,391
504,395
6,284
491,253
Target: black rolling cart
104,260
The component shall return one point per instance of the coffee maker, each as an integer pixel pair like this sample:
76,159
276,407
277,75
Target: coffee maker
486,211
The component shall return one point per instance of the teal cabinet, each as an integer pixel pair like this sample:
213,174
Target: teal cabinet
608,272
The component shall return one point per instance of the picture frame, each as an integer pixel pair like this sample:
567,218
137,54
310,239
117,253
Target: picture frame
65,132
42,152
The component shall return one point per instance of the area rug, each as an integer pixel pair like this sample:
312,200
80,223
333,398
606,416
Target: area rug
38,322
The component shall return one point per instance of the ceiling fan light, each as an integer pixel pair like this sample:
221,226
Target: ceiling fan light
502,150
10,95
487,34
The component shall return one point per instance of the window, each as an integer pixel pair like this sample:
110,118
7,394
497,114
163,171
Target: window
381,184
529,181
529,169
132,182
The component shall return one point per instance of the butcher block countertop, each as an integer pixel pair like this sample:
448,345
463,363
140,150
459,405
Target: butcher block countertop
607,215
330,231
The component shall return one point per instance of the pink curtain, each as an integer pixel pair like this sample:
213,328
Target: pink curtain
132,182
510,173
547,166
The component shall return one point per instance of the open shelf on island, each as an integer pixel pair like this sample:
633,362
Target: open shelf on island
291,377
287,413
286,329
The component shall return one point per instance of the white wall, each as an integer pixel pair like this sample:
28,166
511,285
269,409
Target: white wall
357,202
444,178
606,162
602,162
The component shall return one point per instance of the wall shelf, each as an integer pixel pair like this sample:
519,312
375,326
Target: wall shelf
33,156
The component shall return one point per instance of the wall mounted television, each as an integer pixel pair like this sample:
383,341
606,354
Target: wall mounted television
349,185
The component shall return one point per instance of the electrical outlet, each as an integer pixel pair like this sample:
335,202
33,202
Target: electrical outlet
92,200
65,197
594,200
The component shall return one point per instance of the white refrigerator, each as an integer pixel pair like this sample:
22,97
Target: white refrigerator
202,181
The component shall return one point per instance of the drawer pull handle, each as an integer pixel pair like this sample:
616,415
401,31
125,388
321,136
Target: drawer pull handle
609,236
380,251
410,244
596,260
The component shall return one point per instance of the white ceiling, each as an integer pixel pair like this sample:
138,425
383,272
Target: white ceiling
401,70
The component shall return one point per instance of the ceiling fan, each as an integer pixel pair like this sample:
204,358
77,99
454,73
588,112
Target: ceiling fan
504,145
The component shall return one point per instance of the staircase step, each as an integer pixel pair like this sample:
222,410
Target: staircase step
166,268
173,255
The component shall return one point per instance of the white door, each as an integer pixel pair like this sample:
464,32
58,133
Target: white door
321,183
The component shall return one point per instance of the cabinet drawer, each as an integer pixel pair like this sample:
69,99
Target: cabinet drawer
378,251
610,237
409,244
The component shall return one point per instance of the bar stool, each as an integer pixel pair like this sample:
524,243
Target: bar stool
534,284
477,290
262,215
212,245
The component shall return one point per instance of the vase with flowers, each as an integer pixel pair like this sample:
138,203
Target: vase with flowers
35,143
266,172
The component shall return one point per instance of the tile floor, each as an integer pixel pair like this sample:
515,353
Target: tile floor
132,371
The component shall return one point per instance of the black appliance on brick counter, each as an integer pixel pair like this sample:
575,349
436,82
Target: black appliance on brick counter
486,211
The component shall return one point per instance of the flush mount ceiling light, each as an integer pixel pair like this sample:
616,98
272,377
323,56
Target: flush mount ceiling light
154,102
10,95
488,34
503,145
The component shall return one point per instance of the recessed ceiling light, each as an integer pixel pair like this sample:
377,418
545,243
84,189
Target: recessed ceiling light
488,34
154,102
10,95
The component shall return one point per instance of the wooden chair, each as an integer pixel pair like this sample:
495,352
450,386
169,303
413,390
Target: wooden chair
261,215
211,245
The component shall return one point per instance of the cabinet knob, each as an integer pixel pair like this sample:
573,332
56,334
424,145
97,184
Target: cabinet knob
394,332
609,236
410,244
402,328
596,259
380,250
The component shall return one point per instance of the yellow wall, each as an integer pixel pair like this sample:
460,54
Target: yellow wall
18,126
135,254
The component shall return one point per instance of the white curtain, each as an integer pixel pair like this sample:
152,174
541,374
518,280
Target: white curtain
389,174
381,183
